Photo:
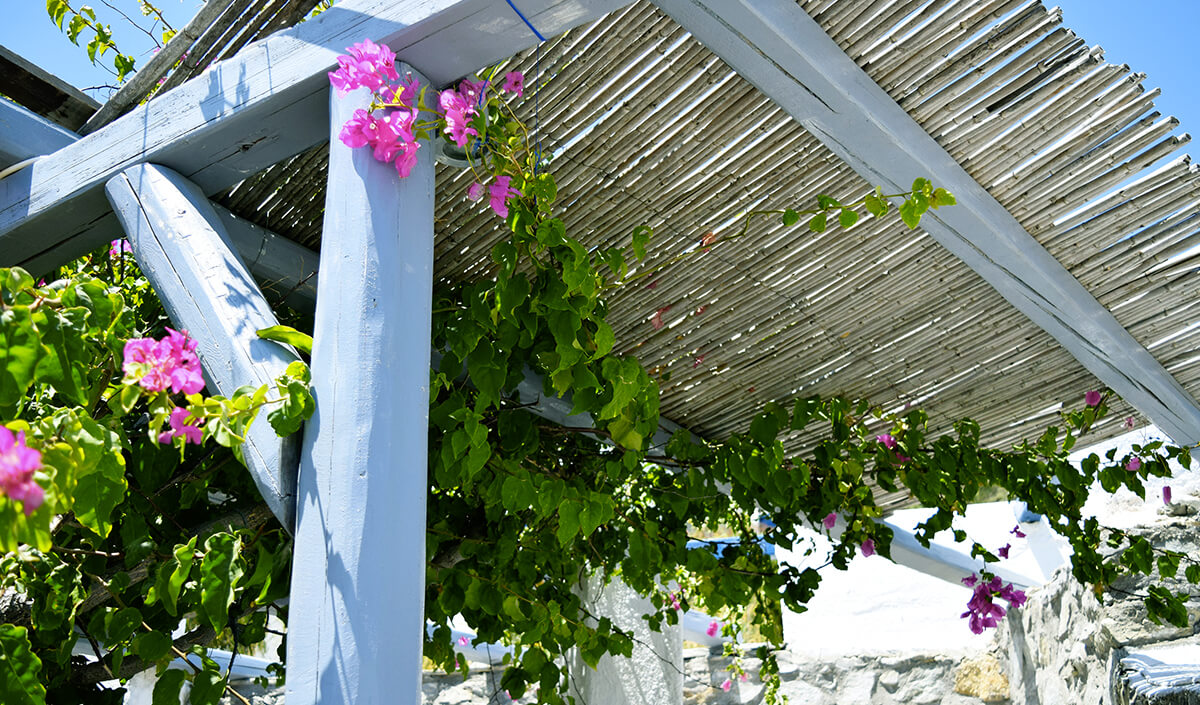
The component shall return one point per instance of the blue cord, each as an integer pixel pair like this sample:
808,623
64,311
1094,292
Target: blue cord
526,21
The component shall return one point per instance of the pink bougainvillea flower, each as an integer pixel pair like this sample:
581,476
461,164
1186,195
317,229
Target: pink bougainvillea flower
1128,422
702,309
1004,550
970,580
457,112
699,360
868,547
180,427
1016,531
674,597
1133,464
1092,398
726,685
1166,494
656,320
475,191
709,238
713,627
407,159
901,458
652,285
745,677
472,91
463,641
829,520
359,130
499,193
406,91
157,365
116,247
369,65
18,462
393,133
886,440
514,82
981,612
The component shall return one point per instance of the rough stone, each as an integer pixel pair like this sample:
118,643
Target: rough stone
983,678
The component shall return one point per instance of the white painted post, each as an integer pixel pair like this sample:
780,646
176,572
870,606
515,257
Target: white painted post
653,675
356,616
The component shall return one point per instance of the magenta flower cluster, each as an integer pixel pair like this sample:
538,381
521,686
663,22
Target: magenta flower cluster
158,365
18,462
180,427
981,612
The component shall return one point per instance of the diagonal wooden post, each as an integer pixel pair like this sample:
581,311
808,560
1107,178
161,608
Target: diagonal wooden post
185,251
356,616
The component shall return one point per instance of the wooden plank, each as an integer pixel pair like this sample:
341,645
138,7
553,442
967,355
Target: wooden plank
184,251
24,134
43,92
258,108
780,49
357,618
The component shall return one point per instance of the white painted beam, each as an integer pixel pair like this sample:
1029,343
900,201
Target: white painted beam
183,249
260,107
358,576
25,134
280,265
780,49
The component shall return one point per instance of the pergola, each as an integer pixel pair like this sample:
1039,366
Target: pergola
1066,265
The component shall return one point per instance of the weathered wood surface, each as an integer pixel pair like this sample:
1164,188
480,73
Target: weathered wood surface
780,49
25,134
358,577
258,108
43,92
183,249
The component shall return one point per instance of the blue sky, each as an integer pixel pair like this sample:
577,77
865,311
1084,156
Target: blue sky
1155,37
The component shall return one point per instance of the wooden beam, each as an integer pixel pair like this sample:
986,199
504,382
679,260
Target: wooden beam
281,266
184,251
260,107
24,134
43,92
780,49
358,575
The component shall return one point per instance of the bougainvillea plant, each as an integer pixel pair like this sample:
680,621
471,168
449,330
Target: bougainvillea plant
147,545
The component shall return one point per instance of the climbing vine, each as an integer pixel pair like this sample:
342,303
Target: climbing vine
126,514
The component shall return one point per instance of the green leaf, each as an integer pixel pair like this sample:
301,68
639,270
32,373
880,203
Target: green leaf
166,689
220,572
288,335
827,202
641,236
817,224
100,476
152,646
847,218
1192,572
568,522
941,197
876,206
20,669
909,214
207,687
790,217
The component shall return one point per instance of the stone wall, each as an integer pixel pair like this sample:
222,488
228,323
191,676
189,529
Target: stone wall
1066,644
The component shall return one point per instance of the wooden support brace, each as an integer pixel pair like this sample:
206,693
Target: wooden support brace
357,621
185,252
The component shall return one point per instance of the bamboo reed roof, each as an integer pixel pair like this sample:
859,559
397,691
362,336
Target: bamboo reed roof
647,126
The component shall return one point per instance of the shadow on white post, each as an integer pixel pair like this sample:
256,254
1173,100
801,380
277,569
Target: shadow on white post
358,580
653,675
